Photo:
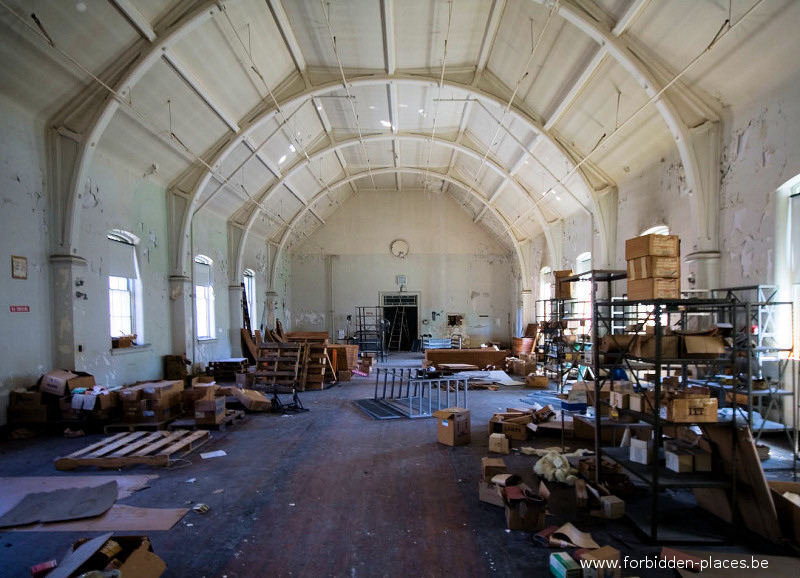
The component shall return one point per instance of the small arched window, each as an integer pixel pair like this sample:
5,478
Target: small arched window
249,280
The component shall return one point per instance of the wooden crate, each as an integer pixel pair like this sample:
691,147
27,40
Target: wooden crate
277,365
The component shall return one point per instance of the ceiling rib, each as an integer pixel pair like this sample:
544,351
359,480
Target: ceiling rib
389,47
132,15
576,88
289,38
489,34
200,90
631,15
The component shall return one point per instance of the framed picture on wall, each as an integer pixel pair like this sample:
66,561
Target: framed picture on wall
19,267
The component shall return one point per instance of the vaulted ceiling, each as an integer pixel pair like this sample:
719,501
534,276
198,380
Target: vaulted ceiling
272,113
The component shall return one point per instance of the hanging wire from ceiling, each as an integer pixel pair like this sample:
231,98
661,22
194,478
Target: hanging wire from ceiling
724,29
167,134
285,121
326,9
500,125
425,183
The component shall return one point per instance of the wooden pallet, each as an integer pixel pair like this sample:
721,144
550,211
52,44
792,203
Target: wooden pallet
277,365
231,417
138,448
141,426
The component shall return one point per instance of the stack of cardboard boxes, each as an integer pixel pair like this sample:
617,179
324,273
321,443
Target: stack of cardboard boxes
654,267
365,363
152,401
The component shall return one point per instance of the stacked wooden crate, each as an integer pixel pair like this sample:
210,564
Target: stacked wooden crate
654,267
313,358
277,367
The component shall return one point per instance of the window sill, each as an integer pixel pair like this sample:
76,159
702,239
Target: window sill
132,349
206,339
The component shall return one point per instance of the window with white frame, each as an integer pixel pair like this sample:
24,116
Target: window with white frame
203,298
249,281
583,289
123,280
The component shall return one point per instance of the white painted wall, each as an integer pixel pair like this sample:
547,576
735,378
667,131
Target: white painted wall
761,151
117,199
454,265
25,338
209,238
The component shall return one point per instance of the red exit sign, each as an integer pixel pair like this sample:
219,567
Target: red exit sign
20,308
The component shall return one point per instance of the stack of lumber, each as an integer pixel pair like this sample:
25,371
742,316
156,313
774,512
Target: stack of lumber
226,369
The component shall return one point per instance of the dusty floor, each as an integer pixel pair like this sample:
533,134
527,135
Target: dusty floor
332,492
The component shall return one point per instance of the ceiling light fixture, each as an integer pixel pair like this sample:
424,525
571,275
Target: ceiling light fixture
386,123
292,148
281,160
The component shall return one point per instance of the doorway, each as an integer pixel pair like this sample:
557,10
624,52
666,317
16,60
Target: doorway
401,310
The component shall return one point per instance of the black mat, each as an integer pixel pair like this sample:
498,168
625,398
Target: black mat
378,410
61,505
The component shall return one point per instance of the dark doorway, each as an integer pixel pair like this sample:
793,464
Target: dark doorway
403,328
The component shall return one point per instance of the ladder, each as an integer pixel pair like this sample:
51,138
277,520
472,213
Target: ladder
399,327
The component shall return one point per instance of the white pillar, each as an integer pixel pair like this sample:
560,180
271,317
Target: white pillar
68,308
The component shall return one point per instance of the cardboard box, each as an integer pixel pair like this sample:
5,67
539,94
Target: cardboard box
641,451
209,412
654,288
658,245
492,466
612,507
134,558
644,346
563,566
563,289
123,341
162,389
487,492
516,431
344,375
702,346
679,461
653,266
788,511
245,379
453,426
498,443
701,460
600,554
65,409
524,509
20,399
149,411
62,381
252,400
692,410
619,399
32,414
537,382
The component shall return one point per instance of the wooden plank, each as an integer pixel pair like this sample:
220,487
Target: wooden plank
481,357
156,445
130,447
110,447
97,445
185,443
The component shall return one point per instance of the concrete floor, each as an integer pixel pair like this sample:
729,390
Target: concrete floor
332,492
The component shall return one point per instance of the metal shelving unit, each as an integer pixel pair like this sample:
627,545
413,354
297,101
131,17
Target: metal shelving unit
660,313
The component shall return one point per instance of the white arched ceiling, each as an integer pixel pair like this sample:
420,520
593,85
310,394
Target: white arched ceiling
530,97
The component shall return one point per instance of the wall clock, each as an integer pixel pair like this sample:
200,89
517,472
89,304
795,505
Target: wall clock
399,248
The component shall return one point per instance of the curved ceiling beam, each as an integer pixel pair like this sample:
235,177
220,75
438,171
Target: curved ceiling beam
383,79
389,170
264,195
621,52
151,54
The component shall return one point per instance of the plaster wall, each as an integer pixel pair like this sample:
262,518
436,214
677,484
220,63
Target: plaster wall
760,152
25,338
209,238
453,264
116,199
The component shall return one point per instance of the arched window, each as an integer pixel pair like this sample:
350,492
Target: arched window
124,286
249,280
583,289
204,297
545,286
657,230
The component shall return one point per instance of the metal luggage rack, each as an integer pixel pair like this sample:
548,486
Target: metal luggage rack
402,390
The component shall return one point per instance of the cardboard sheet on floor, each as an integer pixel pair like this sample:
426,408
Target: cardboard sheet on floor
60,505
14,489
495,376
568,536
117,519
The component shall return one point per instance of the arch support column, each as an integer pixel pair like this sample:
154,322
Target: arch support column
182,316
236,319
69,308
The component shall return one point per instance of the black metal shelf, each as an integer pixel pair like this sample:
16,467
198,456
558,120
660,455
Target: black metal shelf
666,478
